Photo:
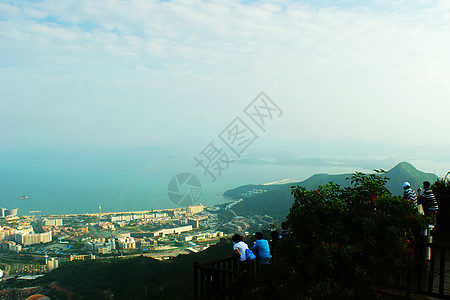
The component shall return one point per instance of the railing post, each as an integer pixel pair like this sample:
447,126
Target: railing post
223,279
230,278
202,283
442,272
408,282
195,283
431,272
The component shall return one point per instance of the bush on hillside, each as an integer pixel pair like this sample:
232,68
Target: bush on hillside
345,241
441,189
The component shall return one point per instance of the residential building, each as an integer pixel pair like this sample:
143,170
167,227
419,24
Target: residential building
33,238
126,243
51,263
52,222
176,230
194,209
81,257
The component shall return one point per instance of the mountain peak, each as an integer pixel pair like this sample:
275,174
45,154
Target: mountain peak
405,166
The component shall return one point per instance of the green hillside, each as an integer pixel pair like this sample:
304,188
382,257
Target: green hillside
277,199
406,172
132,278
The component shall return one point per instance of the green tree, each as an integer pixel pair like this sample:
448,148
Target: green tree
345,241
441,189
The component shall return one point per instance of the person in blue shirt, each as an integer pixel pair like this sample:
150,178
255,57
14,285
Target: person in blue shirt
261,248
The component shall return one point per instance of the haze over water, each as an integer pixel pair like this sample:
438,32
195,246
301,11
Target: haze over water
78,180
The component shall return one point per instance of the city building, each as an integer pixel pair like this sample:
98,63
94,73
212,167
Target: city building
33,238
176,230
7,213
106,225
10,246
5,234
202,236
126,243
101,245
195,221
105,249
51,263
138,217
194,209
81,257
52,222
147,244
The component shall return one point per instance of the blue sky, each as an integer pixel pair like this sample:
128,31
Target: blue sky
136,73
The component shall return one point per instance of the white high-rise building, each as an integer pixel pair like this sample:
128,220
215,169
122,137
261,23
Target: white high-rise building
52,263
126,243
52,222
34,238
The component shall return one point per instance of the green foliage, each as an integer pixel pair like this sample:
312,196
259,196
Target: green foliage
441,189
346,240
132,278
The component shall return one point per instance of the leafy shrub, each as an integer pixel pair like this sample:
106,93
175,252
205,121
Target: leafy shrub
441,189
345,241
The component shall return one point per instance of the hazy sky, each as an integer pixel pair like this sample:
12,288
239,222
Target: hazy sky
136,73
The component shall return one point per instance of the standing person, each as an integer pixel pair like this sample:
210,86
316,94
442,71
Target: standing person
427,199
261,247
273,245
410,195
285,232
274,242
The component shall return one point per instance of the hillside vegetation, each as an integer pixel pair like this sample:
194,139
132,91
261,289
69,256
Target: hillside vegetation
344,242
132,278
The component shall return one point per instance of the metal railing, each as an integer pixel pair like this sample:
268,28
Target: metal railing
429,276
222,279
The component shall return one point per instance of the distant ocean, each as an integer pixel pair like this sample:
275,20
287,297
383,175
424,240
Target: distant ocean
77,181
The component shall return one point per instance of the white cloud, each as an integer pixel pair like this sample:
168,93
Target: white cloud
341,71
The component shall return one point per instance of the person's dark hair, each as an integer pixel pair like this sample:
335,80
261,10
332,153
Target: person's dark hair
258,235
236,238
284,225
275,235
426,184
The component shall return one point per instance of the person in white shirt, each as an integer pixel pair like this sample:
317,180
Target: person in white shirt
239,246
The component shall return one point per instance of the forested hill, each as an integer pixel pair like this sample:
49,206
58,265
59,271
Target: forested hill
276,200
131,278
